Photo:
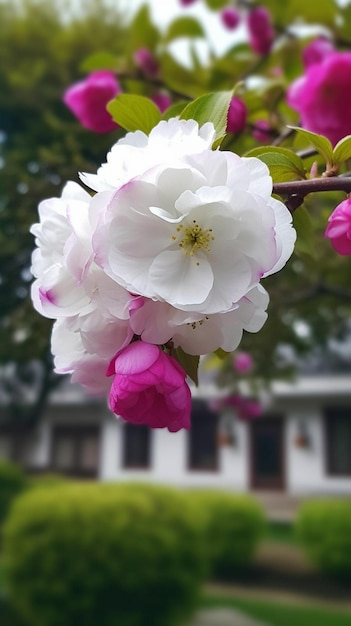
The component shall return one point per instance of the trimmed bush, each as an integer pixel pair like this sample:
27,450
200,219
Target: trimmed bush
12,483
234,525
323,528
103,554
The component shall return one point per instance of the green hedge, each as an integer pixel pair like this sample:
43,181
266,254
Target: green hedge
324,529
103,555
12,483
234,525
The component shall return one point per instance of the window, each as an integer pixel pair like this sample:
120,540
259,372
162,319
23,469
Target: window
202,442
75,450
338,441
136,446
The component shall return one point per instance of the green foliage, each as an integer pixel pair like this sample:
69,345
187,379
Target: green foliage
12,483
324,529
211,107
283,164
234,525
134,112
103,554
184,27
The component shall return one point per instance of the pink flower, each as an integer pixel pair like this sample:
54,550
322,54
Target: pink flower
316,51
322,96
146,61
261,33
230,18
237,114
243,363
87,99
261,131
339,228
149,388
250,409
162,101
185,3
246,408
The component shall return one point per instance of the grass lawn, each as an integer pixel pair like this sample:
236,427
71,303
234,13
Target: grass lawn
279,613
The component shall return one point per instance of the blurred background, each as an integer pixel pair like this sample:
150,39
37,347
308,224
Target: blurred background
250,510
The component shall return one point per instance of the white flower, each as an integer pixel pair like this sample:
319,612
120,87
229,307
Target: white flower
71,357
197,232
137,152
158,322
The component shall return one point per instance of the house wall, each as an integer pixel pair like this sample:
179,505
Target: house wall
169,460
306,467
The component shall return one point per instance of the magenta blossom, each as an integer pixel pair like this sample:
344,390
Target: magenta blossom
230,18
322,96
237,114
162,101
88,98
260,30
243,363
246,408
146,61
316,51
149,388
261,131
339,228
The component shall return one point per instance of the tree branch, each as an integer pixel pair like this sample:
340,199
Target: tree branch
295,191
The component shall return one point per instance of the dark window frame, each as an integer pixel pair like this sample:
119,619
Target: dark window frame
77,433
200,409
144,434
256,481
331,414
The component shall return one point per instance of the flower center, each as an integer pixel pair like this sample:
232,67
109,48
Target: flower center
194,238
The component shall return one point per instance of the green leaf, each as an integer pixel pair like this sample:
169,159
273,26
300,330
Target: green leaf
291,156
305,243
322,144
342,150
99,61
180,79
284,165
142,32
189,362
216,4
134,112
211,107
184,27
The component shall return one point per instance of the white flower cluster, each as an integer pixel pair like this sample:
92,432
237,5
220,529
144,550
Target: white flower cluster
171,247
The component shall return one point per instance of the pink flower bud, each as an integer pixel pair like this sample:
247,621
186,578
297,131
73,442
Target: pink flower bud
146,61
237,114
316,51
149,388
243,363
87,99
185,3
261,33
339,228
162,100
261,131
230,18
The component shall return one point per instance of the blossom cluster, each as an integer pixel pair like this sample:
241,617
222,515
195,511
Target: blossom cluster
167,254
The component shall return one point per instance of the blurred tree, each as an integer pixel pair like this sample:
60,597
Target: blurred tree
42,48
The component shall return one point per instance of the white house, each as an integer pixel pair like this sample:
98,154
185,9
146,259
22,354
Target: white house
301,445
